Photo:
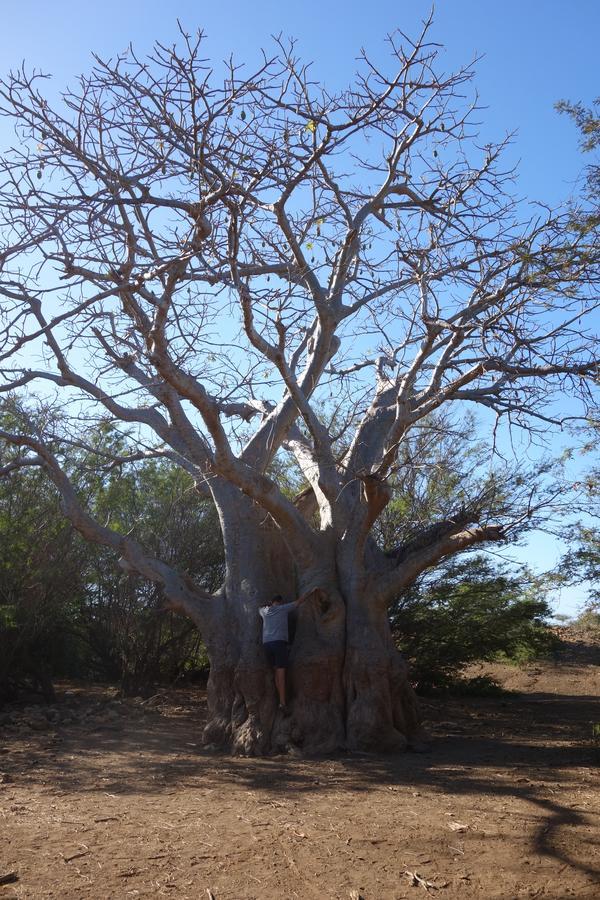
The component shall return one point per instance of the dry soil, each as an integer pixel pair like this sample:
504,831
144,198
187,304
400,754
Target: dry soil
107,798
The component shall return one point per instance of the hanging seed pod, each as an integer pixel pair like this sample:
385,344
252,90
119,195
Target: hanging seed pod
243,115
39,173
318,231
163,169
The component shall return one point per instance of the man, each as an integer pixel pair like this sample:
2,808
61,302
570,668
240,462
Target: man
275,638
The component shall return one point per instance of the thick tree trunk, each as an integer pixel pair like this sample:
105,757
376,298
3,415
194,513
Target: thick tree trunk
241,694
242,700
347,684
382,711
315,678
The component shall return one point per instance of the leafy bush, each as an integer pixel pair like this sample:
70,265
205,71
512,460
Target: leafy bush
40,588
67,609
470,610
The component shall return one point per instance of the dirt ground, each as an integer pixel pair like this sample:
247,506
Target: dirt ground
101,798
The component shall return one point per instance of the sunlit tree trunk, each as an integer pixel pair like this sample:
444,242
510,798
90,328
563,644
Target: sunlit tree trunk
347,685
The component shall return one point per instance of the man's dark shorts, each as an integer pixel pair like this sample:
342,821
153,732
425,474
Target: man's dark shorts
277,653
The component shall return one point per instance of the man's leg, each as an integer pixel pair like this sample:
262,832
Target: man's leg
280,685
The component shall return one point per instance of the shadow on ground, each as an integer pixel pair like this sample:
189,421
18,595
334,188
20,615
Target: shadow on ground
530,748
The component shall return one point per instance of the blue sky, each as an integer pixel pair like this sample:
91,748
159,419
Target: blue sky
534,53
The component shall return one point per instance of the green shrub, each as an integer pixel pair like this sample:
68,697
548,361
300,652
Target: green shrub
470,610
68,609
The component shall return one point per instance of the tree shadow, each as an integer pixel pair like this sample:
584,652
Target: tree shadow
510,749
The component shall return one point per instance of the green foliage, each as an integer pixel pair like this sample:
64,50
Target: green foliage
582,562
444,473
470,610
587,120
132,639
465,609
40,586
66,608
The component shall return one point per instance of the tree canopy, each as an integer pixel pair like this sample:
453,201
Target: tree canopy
243,264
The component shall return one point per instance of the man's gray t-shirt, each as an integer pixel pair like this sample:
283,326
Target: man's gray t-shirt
275,621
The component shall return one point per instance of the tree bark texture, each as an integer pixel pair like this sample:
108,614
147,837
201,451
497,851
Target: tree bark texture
348,687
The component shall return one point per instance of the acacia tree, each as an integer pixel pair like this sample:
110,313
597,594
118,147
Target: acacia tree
246,265
587,120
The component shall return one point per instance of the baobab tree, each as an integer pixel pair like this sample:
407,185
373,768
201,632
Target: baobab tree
243,265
